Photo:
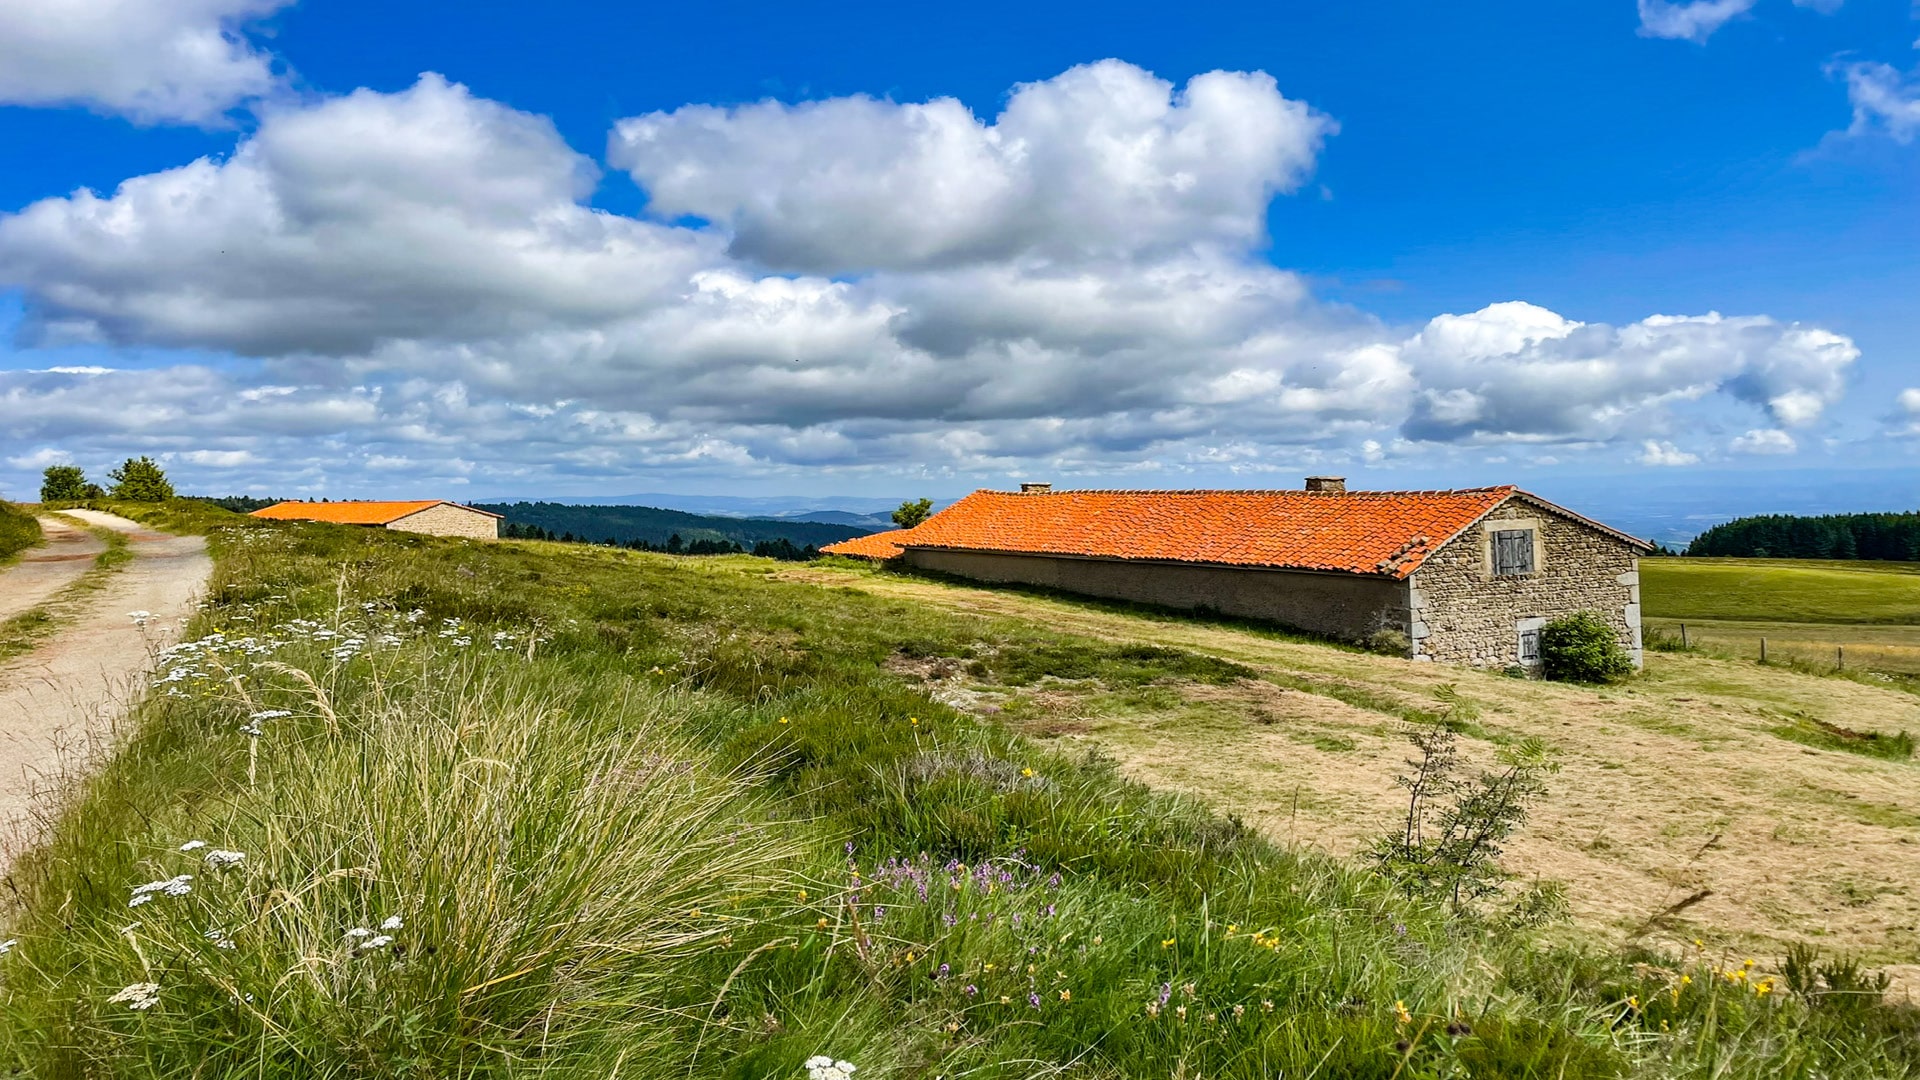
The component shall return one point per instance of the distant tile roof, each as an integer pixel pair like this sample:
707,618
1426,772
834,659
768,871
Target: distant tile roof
880,545
1377,533
354,513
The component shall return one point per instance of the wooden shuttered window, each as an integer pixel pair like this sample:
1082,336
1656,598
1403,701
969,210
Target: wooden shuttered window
1512,552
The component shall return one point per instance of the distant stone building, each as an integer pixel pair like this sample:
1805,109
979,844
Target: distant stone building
436,517
1468,576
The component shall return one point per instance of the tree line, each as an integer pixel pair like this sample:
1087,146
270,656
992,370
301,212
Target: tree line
137,480
1890,536
780,548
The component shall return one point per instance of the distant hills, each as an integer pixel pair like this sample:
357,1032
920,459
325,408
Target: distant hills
657,525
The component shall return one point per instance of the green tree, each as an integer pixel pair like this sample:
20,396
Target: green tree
63,483
913,512
140,480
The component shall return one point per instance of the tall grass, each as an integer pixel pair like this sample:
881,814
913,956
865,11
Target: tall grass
19,531
642,816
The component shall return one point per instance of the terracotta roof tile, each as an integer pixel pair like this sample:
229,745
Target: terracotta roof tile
1386,533
353,513
880,545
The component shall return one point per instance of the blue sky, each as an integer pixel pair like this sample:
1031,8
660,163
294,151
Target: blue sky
603,248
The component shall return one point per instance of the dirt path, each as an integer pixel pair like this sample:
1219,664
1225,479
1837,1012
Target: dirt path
59,702
1674,785
47,569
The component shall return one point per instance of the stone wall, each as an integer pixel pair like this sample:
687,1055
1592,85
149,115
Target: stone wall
1343,605
1463,614
450,520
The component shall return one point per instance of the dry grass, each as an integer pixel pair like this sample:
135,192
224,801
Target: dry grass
1673,783
1892,648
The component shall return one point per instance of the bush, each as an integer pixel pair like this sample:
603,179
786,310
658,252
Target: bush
141,480
1582,647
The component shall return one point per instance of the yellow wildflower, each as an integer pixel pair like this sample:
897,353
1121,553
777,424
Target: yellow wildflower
1400,1011
1066,995
1167,944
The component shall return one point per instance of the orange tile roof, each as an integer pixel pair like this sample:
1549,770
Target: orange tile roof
353,513
880,545
1384,533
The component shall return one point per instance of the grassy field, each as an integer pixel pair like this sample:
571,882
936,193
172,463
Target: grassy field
1864,615
415,807
1781,590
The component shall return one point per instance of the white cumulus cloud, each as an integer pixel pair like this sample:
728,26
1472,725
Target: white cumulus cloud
151,60
1103,160
1689,21
379,280
1520,371
1764,441
1657,452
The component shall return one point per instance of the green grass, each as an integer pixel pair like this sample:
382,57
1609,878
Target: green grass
644,817
1781,590
18,531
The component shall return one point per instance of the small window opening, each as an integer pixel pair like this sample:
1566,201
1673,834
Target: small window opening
1512,552
1529,646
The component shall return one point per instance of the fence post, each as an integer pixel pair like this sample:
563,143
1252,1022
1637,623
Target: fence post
1839,658
1763,650
1683,635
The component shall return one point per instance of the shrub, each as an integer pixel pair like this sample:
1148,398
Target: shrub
141,480
1582,648
63,483
1388,642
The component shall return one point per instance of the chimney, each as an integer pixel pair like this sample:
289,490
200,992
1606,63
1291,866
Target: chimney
1326,483
1035,489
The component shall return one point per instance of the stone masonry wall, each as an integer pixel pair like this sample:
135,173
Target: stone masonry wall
1343,605
449,520
1463,614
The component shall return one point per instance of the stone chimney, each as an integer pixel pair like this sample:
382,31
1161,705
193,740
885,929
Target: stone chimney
1035,489
1326,483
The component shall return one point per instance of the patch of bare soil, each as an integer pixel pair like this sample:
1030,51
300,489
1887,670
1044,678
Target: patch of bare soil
1674,784
58,703
43,571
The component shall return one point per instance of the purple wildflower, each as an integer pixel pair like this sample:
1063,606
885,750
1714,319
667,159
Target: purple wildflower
943,972
1033,999
970,990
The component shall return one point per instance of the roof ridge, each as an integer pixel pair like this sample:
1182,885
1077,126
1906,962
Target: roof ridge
1488,490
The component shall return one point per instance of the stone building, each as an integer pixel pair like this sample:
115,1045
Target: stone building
436,517
1468,576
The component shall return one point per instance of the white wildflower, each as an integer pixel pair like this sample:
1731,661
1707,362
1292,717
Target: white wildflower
193,845
378,941
393,923
219,938
220,857
173,886
359,932
139,617
7,945
270,714
138,996
822,1067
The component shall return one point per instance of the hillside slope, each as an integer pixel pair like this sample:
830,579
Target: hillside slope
521,808
656,526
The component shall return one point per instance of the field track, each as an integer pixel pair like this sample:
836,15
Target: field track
58,702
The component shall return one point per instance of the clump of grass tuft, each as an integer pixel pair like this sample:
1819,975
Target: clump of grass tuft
1815,732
